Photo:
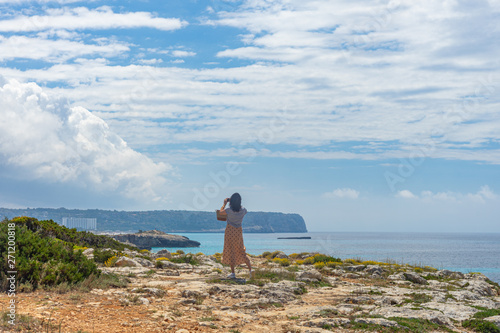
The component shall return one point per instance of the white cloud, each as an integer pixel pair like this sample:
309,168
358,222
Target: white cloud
84,18
150,61
405,194
53,50
182,54
43,138
339,70
482,195
348,193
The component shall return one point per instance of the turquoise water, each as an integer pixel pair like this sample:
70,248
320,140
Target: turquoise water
464,252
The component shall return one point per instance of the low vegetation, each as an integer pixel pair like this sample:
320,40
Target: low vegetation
50,256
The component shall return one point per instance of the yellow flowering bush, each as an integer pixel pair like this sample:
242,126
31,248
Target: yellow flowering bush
319,265
163,258
308,261
111,261
282,262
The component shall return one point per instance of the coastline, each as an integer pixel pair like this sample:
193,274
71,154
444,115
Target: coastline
464,252
299,293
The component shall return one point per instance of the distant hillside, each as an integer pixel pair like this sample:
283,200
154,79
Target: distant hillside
165,220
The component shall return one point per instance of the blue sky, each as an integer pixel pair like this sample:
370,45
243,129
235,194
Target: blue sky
360,116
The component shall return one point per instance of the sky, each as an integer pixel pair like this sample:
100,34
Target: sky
358,115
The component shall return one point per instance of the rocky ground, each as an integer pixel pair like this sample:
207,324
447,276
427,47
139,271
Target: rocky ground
286,295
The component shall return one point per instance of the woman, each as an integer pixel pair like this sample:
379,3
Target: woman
234,251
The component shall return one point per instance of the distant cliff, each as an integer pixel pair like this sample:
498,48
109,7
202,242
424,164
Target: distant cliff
165,220
155,238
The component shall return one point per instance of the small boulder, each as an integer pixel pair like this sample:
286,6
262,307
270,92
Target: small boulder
127,262
309,276
164,254
355,268
143,300
398,276
374,269
144,262
89,253
377,321
281,255
415,278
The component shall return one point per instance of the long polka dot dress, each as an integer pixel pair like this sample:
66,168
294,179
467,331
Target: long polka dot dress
234,252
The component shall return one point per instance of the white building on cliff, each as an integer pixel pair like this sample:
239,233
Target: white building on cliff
80,223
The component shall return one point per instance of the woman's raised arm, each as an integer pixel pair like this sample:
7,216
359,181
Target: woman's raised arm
224,204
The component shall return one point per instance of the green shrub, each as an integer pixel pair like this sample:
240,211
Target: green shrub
103,281
481,326
266,254
101,256
320,258
485,313
43,261
80,238
188,259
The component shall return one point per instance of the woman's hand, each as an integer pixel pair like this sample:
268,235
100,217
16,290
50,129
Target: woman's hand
224,204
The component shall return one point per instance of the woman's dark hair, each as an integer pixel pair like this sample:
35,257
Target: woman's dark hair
235,202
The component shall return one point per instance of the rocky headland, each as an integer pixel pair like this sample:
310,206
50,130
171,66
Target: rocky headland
155,238
166,220
308,292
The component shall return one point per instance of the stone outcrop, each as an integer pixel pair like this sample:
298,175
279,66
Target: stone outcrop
155,238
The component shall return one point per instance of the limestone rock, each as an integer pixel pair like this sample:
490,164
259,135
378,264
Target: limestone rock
163,254
324,322
309,276
377,321
434,316
374,269
388,301
89,253
454,311
281,255
143,300
127,262
144,262
481,287
398,276
415,278
283,291
355,268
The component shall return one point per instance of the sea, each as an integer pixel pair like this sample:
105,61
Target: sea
463,252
